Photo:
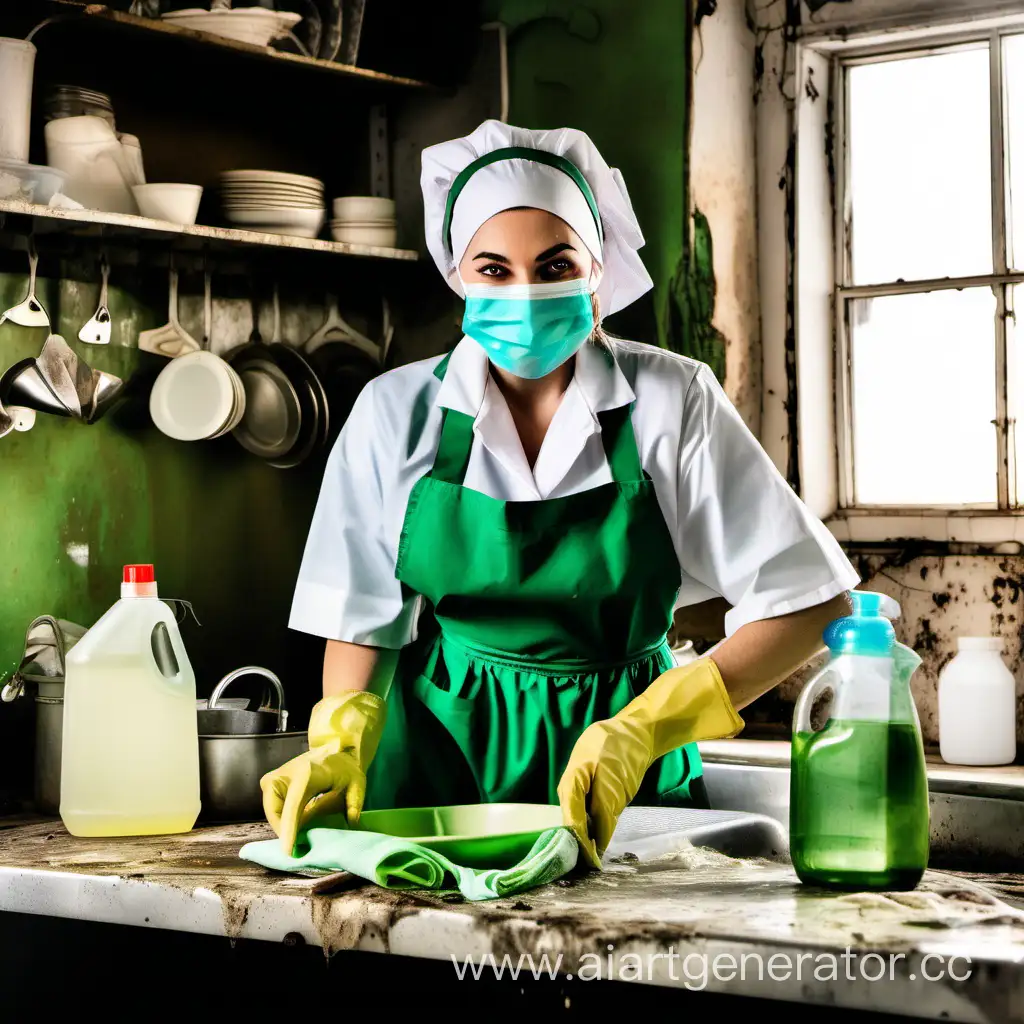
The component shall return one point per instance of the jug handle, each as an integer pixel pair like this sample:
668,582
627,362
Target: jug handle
824,680
177,648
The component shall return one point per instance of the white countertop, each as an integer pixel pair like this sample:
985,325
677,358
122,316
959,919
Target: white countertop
676,915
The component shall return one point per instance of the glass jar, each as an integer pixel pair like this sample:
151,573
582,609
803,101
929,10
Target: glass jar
76,101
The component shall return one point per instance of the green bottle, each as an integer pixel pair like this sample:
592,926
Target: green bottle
858,814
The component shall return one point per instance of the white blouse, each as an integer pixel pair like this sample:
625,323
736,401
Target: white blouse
740,532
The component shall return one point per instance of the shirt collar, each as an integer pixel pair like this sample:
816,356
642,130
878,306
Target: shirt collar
601,382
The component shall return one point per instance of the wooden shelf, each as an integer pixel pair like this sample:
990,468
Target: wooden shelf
98,14
99,222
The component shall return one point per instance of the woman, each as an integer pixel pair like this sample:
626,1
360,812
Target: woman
521,518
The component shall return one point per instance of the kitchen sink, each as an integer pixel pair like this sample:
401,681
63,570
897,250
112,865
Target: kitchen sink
976,825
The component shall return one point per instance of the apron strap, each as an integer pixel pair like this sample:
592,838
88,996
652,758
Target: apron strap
453,450
620,444
442,367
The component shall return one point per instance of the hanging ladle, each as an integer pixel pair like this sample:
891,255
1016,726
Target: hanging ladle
171,340
97,330
29,312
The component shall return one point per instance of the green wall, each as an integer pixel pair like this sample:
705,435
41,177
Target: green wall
621,73
224,531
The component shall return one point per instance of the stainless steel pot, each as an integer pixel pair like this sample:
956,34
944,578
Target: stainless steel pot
49,702
47,642
238,747
230,769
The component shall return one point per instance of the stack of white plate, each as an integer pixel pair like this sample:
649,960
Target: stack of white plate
364,220
197,396
286,204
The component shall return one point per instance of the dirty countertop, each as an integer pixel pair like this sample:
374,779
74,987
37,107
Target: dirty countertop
694,904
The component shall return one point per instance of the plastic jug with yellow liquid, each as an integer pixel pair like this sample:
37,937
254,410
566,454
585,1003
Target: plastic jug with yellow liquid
130,755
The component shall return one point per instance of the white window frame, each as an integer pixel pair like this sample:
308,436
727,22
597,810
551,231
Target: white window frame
822,293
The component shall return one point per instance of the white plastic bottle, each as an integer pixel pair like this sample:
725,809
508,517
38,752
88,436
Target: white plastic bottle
977,705
130,755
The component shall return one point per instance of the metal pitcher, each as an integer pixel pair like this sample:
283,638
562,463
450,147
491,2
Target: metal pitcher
47,643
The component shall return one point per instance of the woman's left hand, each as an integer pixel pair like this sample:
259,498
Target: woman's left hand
610,759
605,770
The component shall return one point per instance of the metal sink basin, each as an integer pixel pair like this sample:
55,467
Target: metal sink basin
652,833
975,825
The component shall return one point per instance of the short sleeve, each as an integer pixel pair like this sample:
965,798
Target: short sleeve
744,533
347,588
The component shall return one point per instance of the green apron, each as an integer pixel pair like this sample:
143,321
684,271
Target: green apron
547,615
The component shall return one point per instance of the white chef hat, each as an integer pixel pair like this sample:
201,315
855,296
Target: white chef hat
467,181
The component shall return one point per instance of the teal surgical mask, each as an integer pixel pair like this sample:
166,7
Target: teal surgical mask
529,329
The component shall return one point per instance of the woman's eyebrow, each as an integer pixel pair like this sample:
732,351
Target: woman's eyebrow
497,257
554,251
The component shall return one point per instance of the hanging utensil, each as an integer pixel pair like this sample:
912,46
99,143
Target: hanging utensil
331,37
198,396
272,423
23,385
334,328
313,398
6,421
87,392
171,340
58,382
97,330
29,312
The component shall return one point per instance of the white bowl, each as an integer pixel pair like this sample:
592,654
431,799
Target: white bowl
165,201
303,223
363,208
385,237
31,183
254,25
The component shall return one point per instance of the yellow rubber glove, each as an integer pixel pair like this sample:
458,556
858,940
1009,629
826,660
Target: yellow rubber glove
344,731
610,759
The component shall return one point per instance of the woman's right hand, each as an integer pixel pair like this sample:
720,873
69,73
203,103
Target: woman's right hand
325,780
330,777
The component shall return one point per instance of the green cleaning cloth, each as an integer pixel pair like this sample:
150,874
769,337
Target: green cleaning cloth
400,864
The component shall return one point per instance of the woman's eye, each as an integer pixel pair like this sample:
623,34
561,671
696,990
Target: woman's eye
492,270
558,268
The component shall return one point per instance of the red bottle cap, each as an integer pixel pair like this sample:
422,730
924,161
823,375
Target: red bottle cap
139,574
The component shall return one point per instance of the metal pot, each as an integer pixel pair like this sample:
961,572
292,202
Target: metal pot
238,747
49,740
47,641
230,769
224,720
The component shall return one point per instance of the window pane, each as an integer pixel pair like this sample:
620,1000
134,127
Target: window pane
1015,392
924,395
920,168
1013,66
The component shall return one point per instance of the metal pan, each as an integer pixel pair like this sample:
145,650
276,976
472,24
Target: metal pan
313,398
344,371
273,420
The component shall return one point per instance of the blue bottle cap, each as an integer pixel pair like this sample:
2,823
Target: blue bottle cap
867,630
